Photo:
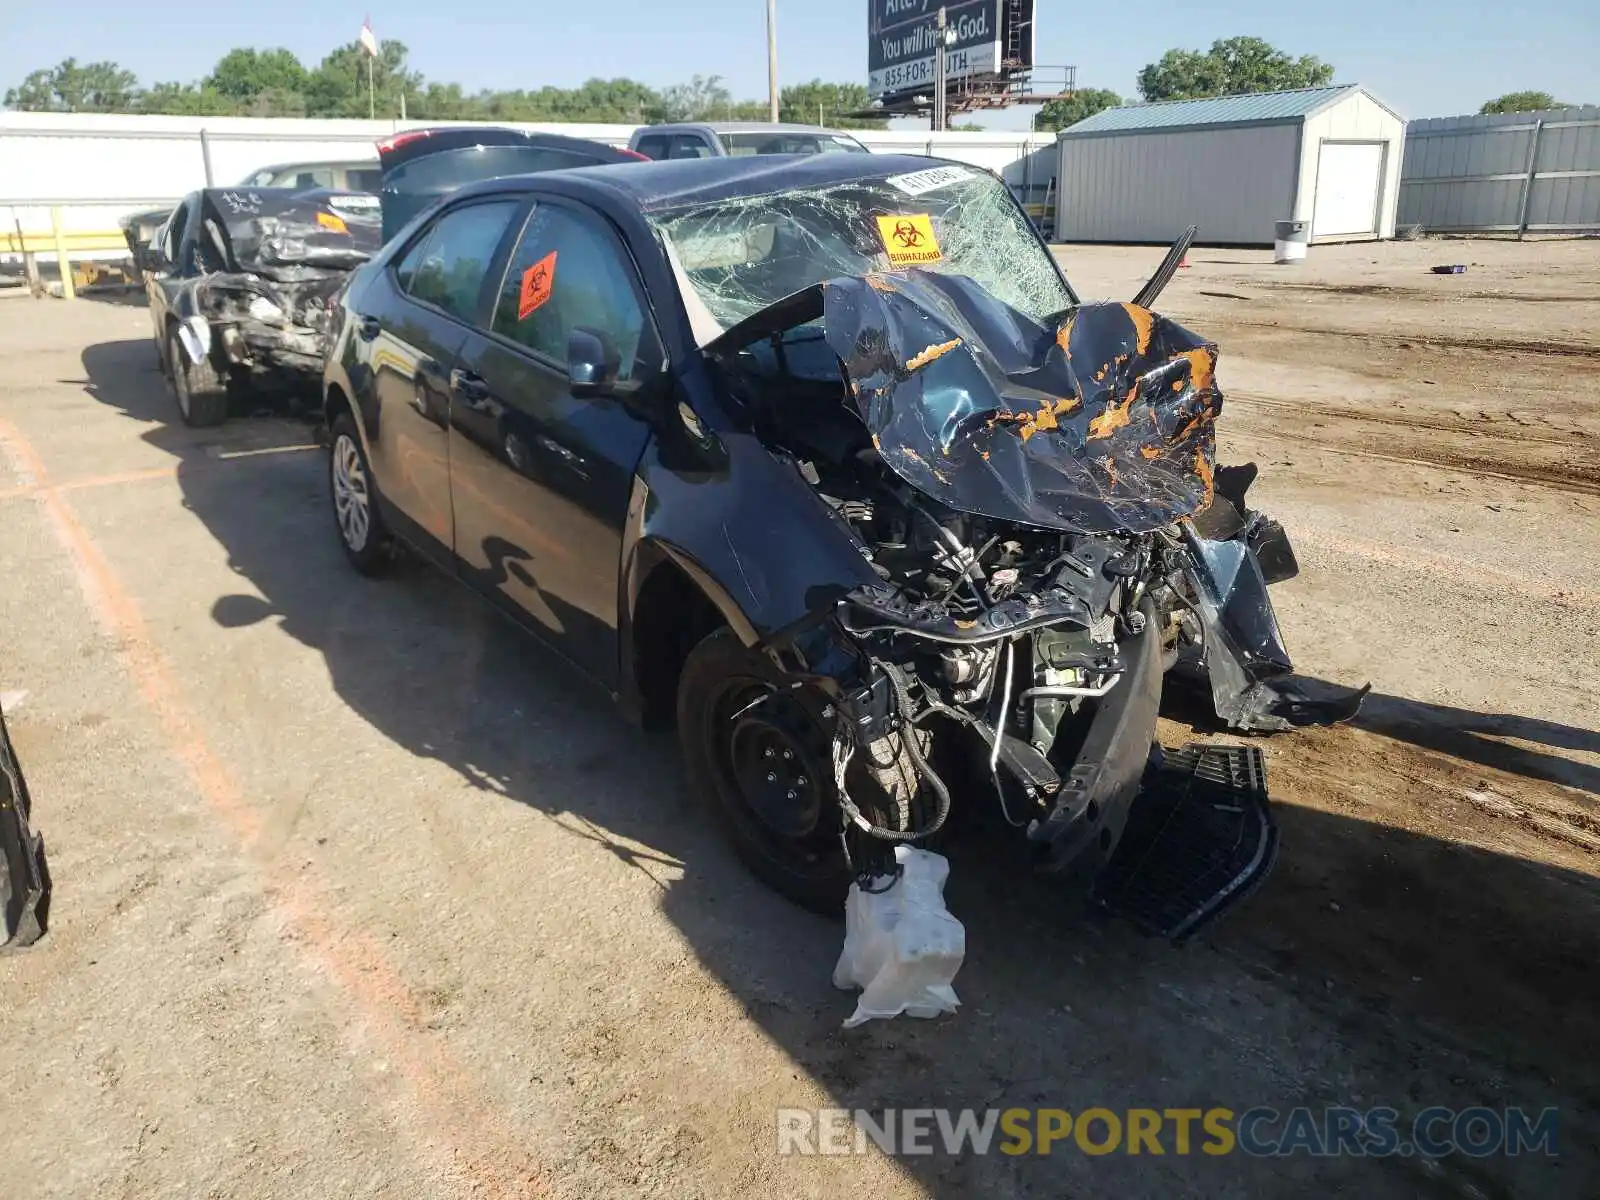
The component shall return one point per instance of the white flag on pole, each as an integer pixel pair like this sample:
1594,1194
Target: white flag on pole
368,42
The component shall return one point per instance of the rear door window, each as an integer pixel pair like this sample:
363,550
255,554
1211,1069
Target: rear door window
447,267
570,271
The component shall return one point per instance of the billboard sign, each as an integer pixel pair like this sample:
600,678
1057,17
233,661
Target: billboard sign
903,35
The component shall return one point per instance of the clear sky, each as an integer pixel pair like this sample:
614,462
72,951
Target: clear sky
1425,59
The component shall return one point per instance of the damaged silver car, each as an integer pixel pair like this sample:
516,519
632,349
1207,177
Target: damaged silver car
239,281
822,460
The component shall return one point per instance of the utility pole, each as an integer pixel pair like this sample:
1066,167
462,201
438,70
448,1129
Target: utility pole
940,84
772,61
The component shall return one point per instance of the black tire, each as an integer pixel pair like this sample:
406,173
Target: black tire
786,829
201,393
369,546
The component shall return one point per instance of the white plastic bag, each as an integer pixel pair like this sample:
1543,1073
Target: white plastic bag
901,946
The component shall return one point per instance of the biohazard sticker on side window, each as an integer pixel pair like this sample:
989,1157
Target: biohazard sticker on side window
909,240
537,281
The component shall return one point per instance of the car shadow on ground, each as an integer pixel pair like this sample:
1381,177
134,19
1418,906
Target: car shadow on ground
1473,737
123,295
1376,966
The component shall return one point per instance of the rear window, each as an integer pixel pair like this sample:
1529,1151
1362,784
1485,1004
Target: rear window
450,169
364,181
741,144
653,146
690,145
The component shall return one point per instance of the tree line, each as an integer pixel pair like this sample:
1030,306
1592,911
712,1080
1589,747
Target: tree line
275,83
1234,66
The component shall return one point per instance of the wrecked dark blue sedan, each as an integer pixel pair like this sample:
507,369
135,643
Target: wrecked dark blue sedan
822,461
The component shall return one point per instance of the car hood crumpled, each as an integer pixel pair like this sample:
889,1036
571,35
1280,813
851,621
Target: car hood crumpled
1104,422
289,236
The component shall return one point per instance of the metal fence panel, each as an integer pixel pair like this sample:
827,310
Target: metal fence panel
1516,172
98,167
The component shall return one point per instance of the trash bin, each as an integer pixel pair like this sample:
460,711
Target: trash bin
1290,246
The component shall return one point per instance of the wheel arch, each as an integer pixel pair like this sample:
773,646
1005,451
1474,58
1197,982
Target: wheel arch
672,604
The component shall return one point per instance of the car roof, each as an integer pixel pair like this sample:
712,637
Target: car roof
318,162
738,127
651,186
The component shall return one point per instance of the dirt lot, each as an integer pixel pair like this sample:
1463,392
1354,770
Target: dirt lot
360,894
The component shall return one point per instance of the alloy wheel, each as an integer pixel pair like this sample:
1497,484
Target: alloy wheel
351,500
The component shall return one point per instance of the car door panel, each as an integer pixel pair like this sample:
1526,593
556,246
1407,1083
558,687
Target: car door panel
542,478
410,334
410,353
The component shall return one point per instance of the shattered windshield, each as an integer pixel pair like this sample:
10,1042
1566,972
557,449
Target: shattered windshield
740,256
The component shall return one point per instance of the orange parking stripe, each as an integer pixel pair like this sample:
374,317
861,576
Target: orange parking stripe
92,481
465,1136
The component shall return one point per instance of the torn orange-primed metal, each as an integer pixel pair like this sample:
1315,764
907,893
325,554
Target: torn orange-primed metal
1114,417
1047,416
1144,322
1010,428
922,359
1064,337
1202,367
1202,468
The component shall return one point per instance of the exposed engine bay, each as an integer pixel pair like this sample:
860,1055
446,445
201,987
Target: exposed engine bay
1053,541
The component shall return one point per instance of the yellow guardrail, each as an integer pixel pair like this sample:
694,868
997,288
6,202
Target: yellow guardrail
45,242
63,244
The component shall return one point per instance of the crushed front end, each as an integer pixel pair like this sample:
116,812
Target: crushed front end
278,262
1052,538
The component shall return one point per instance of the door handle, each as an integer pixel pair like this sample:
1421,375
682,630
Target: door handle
368,328
549,443
470,387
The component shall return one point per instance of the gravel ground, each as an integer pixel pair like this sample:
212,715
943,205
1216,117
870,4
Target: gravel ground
358,893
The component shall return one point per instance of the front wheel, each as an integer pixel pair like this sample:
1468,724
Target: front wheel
201,393
760,752
365,538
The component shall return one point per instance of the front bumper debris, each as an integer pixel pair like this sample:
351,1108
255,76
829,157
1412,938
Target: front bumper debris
1199,838
1083,827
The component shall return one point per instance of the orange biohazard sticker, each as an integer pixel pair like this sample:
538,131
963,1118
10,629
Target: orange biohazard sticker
537,281
909,240
331,222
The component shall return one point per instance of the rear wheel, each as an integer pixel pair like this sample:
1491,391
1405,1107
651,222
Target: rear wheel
366,539
760,752
201,393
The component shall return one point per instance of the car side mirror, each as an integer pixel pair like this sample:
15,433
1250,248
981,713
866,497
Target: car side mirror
591,363
149,258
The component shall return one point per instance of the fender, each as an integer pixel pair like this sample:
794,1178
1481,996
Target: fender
747,530
194,331
362,401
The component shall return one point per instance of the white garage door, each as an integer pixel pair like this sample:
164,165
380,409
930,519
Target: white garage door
1348,177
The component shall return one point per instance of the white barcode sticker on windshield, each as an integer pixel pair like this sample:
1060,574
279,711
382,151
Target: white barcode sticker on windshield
918,182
